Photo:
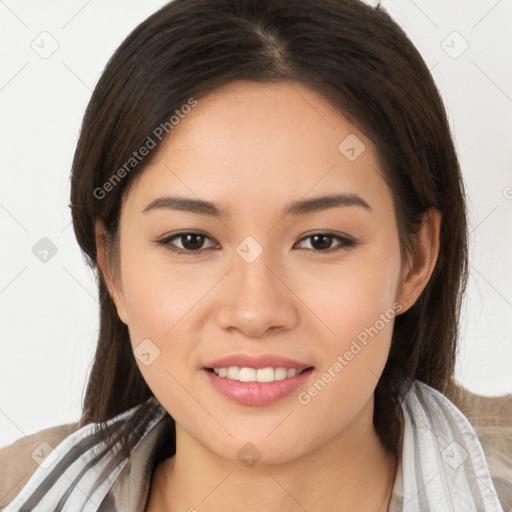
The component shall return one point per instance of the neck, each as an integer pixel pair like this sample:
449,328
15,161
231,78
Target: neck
352,471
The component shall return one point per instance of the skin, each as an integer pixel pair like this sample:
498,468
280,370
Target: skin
254,148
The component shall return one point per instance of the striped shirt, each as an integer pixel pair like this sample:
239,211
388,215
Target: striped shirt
442,467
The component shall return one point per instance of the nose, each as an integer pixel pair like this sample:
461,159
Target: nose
257,299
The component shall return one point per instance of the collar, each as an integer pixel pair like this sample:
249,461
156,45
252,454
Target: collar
442,466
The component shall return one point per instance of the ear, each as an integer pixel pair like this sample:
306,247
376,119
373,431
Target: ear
422,261
110,276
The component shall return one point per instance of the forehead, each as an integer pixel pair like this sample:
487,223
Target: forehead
262,142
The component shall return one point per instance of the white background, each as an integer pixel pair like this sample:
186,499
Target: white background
49,311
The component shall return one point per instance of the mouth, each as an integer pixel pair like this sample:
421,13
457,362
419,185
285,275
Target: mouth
256,386
262,375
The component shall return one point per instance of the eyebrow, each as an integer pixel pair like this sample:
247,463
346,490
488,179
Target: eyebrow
300,207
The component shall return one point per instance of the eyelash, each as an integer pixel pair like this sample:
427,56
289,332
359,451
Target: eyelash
344,242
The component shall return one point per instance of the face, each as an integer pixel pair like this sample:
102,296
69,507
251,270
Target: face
318,286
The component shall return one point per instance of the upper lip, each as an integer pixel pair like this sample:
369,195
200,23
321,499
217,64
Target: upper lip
259,361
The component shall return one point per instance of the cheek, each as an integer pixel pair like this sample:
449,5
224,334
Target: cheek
163,300
157,294
352,294
356,301
159,303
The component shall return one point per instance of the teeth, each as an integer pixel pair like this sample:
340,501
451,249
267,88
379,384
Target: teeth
233,373
280,373
256,375
265,375
247,375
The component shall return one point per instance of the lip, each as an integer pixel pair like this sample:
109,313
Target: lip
259,361
256,393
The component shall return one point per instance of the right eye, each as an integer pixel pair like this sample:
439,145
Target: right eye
191,242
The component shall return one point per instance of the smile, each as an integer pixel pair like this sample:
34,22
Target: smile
246,374
253,392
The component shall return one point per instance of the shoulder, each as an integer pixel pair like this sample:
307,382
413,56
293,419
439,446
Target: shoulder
19,460
34,468
491,418
491,421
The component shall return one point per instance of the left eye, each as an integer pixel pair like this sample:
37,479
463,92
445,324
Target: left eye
192,242
323,242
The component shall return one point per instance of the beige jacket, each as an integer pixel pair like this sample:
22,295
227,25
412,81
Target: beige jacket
491,418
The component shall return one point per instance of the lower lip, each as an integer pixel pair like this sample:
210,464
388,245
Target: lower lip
256,393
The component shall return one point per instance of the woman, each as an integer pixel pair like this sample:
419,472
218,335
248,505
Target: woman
271,197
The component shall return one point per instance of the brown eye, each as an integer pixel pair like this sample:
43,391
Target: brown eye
193,243
185,242
322,242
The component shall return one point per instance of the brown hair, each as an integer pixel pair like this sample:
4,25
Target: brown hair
361,61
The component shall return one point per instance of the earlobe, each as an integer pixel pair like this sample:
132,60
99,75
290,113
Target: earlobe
107,274
423,260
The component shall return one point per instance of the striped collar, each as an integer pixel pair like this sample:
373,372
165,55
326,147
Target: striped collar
442,467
